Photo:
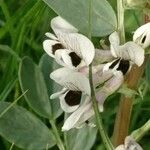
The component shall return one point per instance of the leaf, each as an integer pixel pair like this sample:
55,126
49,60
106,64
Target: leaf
47,65
23,129
81,139
31,79
148,72
76,12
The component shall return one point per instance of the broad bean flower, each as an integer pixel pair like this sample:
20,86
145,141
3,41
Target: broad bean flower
69,48
124,57
75,85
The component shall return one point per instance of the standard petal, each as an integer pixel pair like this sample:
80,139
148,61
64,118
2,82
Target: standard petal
131,144
58,24
51,46
132,51
70,100
71,79
79,44
142,35
114,43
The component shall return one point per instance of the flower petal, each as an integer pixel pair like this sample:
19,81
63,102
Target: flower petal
132,51
102,56
62,57
101,76
142,35
109,87
57,94
120,147
51,36
79,44
51,46
114,43
69,59
71,79
131,144
73,119
58,24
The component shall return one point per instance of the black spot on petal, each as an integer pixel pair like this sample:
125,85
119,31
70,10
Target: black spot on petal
114,63
73,98
76,60
144,38
124,66
56,47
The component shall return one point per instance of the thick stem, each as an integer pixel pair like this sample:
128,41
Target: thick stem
125,107
57,136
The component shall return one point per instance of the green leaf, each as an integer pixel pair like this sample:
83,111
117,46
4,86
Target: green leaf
148,72
76,12
23,129
47,65
31,79
81,139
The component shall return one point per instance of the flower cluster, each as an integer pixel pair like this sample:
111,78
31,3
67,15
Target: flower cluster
75,52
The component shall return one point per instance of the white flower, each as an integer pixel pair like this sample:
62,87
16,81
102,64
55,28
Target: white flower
75,86
129,51
142,35
129,144
69,48
112,74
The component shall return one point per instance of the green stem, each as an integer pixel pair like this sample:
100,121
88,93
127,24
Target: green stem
11,147
57,136
120,13
139,133
99,121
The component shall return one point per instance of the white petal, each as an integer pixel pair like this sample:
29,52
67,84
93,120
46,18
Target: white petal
102,76
114,43
51,36
73,119
62,57
57,94
47,46
120,147
71,79
58,24
141,33
131,144
107,65
79,44
102,56
110,87
132,51
65,106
